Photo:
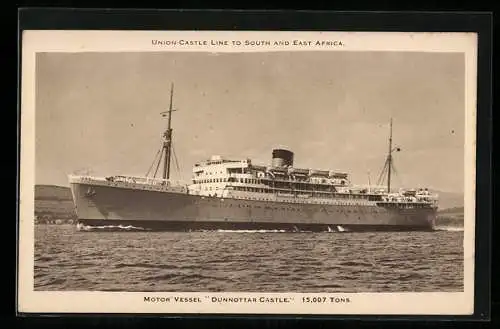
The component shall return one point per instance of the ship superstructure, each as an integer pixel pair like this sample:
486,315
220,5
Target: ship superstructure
238,194
224,178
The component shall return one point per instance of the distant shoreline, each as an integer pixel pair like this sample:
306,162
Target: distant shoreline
54,205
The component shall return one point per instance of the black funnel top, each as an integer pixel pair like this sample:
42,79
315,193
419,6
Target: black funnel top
282,158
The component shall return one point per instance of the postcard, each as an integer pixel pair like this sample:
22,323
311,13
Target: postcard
248,172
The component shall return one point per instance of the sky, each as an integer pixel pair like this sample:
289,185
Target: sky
100,112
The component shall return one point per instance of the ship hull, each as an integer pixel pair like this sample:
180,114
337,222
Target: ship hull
145,209
193,226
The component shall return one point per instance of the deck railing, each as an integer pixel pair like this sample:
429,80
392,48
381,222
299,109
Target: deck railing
127,179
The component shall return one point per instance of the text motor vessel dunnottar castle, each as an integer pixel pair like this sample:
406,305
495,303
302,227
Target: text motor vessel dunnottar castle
235,194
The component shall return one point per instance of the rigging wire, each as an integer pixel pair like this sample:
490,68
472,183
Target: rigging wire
154,160
396,174
158,164
383,174
176,162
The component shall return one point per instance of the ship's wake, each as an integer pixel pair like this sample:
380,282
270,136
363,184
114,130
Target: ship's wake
337,229
131,228
250,231
83,227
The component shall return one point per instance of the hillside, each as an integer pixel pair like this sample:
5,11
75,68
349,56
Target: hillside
452,210
450,199
52,192
53,204
451,217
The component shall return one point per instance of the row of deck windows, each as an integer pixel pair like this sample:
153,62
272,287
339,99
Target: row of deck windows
329,194
264,190
284,208
240,180
227,179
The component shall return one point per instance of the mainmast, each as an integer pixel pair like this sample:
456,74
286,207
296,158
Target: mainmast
167,142
389,165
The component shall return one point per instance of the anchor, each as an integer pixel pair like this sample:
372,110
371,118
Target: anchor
90,192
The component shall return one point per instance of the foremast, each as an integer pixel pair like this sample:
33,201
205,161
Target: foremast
166,150
389,159
167,138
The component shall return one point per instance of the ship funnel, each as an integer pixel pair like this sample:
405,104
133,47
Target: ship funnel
282,158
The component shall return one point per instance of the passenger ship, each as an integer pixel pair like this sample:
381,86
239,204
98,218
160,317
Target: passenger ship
236,194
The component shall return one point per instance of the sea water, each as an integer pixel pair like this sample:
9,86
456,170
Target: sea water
249,261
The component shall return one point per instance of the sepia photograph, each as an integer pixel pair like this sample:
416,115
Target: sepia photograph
292,166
